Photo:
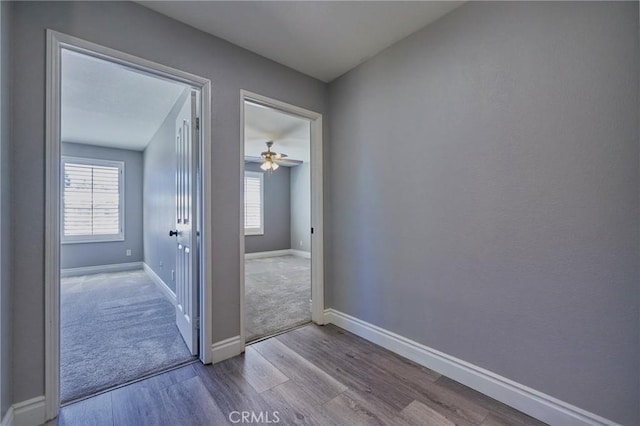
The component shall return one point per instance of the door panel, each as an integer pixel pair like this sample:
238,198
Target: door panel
187,138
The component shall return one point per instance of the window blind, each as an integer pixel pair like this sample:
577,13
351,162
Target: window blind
253,201
91,200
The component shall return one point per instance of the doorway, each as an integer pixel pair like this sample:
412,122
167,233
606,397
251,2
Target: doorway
281,222
127,212
126,181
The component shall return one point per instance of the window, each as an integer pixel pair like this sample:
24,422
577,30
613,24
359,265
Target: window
253,203
92,201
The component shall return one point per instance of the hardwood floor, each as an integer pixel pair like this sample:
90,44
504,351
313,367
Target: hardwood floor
309,376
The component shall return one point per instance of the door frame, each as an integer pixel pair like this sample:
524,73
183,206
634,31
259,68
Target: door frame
56,41
317,203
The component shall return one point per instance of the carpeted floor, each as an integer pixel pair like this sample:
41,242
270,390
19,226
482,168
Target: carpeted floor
115,328
277,294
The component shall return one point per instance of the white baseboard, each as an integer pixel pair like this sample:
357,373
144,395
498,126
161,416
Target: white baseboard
227,348
277,253
530,401
100,269
26,413
300,253
161,284
263,254
8,418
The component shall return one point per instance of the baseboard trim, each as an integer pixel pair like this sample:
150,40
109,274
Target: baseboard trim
536,404
100,269
301,253
8,418
263,254
278,253
169,294
26,413
227,348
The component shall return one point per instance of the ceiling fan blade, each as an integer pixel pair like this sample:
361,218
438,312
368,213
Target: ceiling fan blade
287,162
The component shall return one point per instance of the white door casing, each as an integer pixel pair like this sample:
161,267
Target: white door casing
317,203
186,224
56,41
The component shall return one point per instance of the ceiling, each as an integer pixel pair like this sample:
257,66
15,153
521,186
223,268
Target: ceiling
110,105
323,39
291,135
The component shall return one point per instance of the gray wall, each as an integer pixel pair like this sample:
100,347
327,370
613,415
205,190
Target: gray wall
277,212
301,207
79,255
159,184
131,28
5,203
514,243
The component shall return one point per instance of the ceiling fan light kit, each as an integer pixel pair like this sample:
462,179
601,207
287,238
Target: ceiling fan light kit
269,165
269,158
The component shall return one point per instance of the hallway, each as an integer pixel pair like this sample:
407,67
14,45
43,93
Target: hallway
312,375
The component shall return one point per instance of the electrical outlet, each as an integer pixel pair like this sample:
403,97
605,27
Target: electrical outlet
128,252
161,264
300,243
173,275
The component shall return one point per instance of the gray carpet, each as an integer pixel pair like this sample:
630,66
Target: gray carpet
115,328
277,294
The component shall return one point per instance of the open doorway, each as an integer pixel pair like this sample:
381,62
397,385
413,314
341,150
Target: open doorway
129,219
281,233
277,220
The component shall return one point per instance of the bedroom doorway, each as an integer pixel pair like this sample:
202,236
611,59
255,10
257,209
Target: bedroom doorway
281,221
128,171
129,287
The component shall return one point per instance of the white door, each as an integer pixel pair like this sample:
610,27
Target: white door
187,138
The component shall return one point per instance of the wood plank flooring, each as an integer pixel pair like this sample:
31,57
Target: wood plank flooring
309,376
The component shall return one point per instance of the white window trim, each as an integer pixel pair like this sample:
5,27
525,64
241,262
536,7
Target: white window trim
82,239
256,231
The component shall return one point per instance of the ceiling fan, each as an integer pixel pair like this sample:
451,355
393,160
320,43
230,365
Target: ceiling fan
269,158
278,159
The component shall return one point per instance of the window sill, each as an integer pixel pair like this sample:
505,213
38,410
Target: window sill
93,241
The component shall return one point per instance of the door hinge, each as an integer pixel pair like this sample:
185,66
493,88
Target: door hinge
196,323
197,123
312,230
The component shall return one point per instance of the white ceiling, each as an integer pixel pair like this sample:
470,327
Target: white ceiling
323,39
290,135
107,104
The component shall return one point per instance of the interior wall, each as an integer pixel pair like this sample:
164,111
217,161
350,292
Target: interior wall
150,35
301,207
159,188
277,212
514,243
79,255
5,211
